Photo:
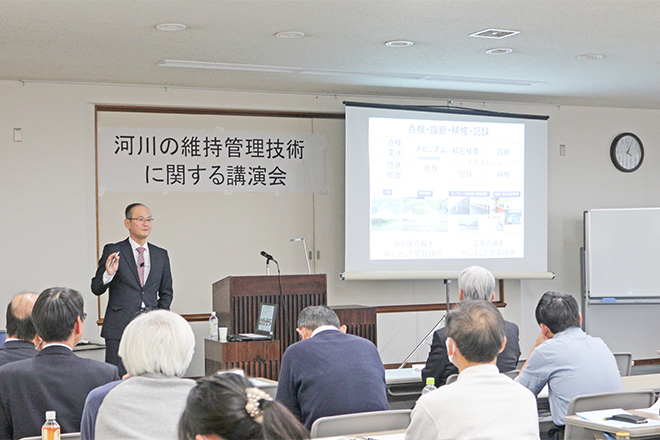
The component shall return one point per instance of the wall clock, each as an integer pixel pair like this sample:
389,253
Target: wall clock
627,152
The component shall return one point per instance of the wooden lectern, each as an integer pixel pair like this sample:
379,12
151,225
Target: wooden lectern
236,303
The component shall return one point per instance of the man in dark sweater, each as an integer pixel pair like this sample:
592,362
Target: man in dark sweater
329,372
21,335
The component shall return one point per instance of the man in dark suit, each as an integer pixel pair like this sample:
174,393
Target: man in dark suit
21,336
474,283
329,372
138,276
55,379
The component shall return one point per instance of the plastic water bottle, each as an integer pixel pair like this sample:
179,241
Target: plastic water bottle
51,429
430,385
213,327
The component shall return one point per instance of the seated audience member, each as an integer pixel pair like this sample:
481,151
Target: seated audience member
571,362
474,282
55,379
329,372
21,336
482,403
156,349
226,407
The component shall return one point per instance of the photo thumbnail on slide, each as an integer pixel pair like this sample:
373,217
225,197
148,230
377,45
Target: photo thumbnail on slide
446,189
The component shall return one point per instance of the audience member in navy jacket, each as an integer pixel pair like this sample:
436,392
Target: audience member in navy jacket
329,372
55,379
21,335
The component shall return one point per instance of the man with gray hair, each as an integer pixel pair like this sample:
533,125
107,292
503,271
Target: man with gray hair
156,349
329,372
21,335
482,403
474,283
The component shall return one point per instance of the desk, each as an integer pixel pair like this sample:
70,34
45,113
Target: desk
405,376
90,351
404,386
255,358
636,432
641,382
630,383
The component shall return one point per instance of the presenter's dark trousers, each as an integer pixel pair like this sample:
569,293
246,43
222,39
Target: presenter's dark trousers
112,356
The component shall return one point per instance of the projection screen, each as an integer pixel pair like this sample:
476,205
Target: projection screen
430,191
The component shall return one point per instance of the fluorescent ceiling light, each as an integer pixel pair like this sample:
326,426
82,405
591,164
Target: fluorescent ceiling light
506,82
499,51
226,66
399,43
340,73
290,34
170,27
326,72
591,56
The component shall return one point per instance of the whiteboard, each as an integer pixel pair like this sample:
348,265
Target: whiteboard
622,253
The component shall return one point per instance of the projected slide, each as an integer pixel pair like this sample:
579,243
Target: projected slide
446,189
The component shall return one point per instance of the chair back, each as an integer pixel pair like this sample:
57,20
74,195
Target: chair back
451,379
512,374
592,402
624,362
359,423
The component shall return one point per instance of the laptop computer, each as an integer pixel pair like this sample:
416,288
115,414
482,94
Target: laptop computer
265,327
3,336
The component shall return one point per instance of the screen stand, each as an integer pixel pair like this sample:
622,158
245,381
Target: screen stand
403,364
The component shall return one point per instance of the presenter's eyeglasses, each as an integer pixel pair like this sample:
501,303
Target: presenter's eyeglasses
142,219
83,317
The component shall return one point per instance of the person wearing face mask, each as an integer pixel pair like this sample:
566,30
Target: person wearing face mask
482,403
474,283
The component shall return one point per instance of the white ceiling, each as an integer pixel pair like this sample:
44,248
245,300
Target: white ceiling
116,42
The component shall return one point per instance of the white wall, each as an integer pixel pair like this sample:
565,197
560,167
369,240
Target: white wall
49,221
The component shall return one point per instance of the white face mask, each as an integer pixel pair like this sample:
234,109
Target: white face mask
448,343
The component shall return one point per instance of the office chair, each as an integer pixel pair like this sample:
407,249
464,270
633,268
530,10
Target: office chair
512,374
624,362
451,379
359,423
593,402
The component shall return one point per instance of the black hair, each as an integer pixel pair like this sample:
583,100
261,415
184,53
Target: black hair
55,313
313,317
216,405
478,329
128,211
558,311
19,328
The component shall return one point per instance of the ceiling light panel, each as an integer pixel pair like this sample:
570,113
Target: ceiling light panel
495,34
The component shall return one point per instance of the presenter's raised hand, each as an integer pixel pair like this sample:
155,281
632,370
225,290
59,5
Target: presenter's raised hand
112,263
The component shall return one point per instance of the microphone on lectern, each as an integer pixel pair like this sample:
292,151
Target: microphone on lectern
267,256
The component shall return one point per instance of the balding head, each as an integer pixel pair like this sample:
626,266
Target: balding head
19,317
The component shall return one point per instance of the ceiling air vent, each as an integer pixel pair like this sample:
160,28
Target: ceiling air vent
496,34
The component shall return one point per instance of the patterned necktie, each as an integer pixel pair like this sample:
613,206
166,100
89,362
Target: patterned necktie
140,264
